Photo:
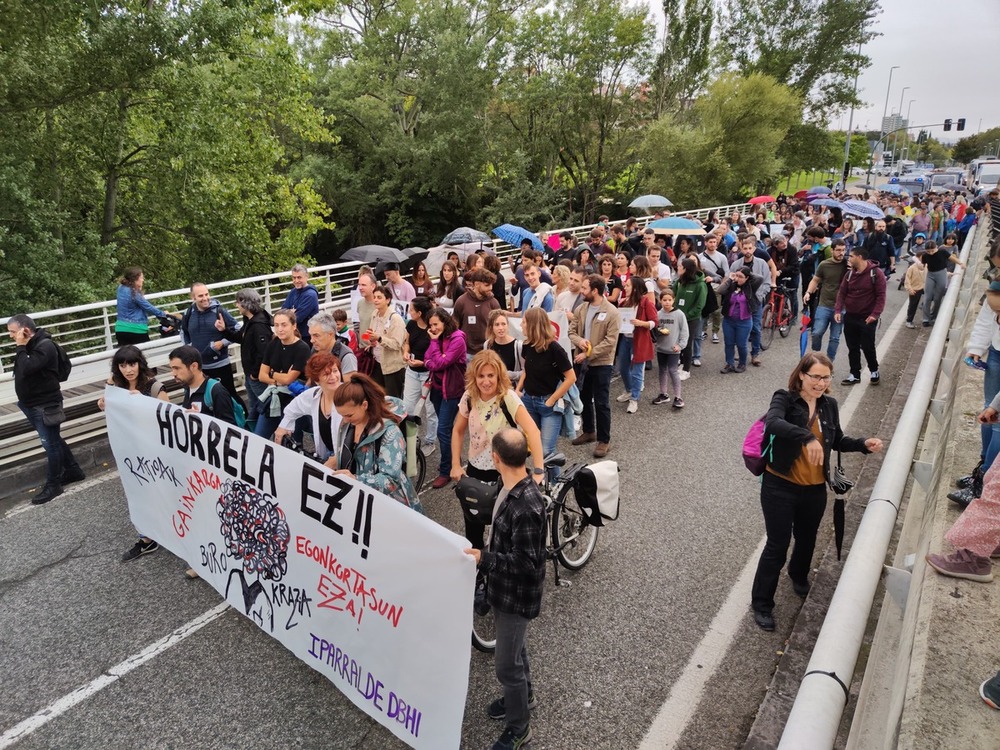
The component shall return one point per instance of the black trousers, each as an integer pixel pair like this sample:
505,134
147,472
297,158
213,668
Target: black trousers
790,510
124,337
860,337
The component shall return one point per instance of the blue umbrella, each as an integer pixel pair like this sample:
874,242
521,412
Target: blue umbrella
463,235
894,189
512,235
650,201
863,209
820,189
676,225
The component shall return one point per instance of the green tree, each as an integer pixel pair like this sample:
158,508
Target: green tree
970,147
682,67
810,45
728,147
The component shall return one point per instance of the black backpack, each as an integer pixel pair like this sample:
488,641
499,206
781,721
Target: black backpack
63,364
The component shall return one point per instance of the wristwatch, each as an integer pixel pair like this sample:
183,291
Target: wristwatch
537,470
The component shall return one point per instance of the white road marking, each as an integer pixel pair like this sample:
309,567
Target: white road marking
84,485
676,712
82,693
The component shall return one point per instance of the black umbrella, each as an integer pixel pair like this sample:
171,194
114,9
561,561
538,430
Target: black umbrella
372,254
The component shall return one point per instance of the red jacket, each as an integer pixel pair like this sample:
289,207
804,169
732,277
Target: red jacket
862,294
642,338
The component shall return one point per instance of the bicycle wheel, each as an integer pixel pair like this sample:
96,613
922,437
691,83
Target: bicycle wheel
572,537
785,319
767,326
484,632
418,480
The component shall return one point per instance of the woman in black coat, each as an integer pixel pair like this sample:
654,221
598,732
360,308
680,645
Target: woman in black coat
802,427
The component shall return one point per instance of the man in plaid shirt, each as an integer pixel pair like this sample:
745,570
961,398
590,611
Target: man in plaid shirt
514,563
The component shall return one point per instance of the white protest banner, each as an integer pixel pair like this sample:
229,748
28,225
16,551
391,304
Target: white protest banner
371,594
559,321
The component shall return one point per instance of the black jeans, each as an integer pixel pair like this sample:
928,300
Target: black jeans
860,337
789,510
596,396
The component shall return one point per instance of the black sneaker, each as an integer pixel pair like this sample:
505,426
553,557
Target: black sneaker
850,380
512,739
73,475
801,589
764,620
139,549
497,710
875,378
678,402
962,497
663,398
48,492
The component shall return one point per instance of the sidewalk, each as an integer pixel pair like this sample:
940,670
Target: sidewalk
956,644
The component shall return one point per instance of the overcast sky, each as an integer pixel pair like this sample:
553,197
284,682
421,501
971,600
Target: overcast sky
947,53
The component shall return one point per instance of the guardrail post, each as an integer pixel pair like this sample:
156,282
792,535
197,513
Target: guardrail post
108,341
267,295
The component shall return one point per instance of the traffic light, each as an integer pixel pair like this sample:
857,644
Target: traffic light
922,136
960,125
947,124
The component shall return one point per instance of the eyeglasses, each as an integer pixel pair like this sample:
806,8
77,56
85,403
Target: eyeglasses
819,378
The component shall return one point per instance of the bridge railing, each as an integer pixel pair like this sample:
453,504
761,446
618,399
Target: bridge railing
87,333
816,714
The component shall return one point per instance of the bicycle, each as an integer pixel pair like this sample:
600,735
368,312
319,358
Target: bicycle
777,315
573,537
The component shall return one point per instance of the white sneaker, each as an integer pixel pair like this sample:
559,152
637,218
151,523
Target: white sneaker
715,338
624,397
685,374
696,362
428,448
910,325
633,407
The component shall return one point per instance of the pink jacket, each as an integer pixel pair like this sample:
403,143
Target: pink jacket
445,358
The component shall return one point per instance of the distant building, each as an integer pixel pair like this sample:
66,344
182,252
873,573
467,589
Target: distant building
893,122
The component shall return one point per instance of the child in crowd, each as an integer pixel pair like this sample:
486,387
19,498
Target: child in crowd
345,332
913,280
671,338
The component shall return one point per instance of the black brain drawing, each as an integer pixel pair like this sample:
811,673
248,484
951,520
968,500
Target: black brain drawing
254,528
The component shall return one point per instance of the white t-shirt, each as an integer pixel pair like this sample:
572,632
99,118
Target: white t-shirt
662,271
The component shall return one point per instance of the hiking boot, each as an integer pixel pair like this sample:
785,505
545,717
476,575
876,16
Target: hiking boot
627,396
139,549
989,691
441,481
875,379
601,450
850,380
497,710
49,491
633,406
741,367
663,398
727,369
511,739
755,361
72,475
764,620
962,497
685,374
962,563
678,402
583,438
715,338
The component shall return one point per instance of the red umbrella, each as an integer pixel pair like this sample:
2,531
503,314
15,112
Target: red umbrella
761,199
802,194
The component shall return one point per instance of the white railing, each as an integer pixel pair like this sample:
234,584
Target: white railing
816,714
87,332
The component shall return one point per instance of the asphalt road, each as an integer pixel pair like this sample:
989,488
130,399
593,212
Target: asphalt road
606,649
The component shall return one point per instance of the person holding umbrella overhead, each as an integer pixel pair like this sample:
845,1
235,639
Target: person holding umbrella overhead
803,427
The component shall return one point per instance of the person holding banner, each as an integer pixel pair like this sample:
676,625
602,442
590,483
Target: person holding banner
514,562
445,358
325,370
370,446
488,405
131,371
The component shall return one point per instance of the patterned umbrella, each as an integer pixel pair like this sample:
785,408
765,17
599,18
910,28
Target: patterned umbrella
465,234
863,209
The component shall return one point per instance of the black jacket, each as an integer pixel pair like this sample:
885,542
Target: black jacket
787,418
253,338
727,287
36,374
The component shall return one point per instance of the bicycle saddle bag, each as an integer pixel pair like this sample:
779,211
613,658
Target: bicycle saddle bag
596,488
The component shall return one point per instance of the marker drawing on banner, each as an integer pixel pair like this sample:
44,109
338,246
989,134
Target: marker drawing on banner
628,315
373,595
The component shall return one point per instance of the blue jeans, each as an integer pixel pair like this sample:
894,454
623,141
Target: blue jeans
447,410
633,375
695,327
57,452
755,329
549,422
735,334
595,394
266,424
991,385
823,321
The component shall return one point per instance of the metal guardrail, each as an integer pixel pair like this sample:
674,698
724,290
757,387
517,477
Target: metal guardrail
816,714
87,332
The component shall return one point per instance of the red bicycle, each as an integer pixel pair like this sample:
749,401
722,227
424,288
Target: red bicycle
777,315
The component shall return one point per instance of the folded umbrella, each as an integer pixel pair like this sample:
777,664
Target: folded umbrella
838,524
513,234
804,334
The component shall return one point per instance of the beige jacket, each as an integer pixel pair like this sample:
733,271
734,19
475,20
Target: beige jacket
603,334
389,351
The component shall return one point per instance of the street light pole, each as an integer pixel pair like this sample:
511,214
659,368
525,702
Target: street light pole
881,127
895,138
908,141
850,127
